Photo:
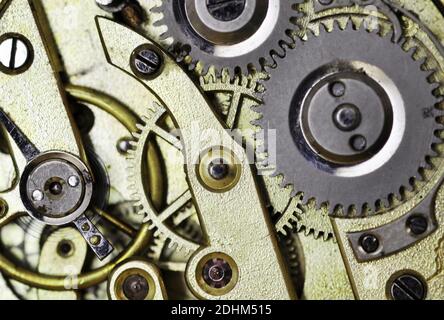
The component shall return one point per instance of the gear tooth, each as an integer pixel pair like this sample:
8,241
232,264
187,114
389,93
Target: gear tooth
140,126
316,234
312,31
410,186
414,53
436,140
148,222
439,93
337,210
325,236
433,76
136,135
399,196
172,245
135,196
356,23
158,8
428,164
372,26
349,210
205,68
275,55
304,200
344,23
283,231
437,89
434,152
283,184
366,208
328,26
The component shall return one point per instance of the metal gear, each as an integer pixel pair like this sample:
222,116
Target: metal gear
305,218
339,174
290,212
158,222
226,93
231,97
203,39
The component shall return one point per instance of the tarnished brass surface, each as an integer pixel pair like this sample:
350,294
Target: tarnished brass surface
149,272
157,199
186,109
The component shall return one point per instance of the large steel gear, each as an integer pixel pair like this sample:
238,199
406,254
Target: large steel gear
250,34
342,152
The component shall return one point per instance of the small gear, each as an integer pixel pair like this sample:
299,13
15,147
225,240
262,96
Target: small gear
305,218
229,94
159,222
233,34
380,140
231,97
289,210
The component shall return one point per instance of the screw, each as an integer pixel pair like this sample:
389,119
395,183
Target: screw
146,62
407,287
95,240
358,143
417,224
55,188
347,117
218,170
135,287
74,181
217,273
15,53
226,10
325,2
369,243
37,195
337,89
86,227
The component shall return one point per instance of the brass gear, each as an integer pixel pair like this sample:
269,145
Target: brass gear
156,221
109,110
225,92
231,97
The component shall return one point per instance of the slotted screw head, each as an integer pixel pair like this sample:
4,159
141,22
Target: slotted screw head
15,53
146,62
